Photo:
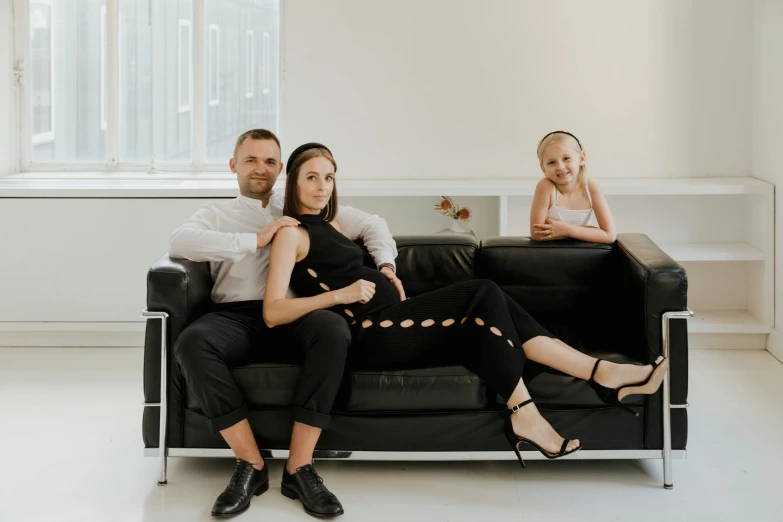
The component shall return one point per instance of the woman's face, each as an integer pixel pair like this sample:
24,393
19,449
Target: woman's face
561,163
315,185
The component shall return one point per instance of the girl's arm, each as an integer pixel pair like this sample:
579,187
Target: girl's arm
605,233
539,208
277,309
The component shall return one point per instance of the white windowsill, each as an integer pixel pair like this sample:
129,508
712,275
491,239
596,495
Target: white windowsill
224,185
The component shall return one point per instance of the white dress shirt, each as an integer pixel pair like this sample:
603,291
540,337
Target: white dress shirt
225,234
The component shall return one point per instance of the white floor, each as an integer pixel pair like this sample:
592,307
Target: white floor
71,450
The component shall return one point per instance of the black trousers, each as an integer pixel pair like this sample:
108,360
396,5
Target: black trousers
474,324
234,334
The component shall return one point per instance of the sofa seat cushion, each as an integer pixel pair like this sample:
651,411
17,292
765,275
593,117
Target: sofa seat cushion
434,389
266,385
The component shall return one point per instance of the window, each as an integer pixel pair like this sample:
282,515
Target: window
244,80
213,70
157,104
64,89
184,65
193,75
250,63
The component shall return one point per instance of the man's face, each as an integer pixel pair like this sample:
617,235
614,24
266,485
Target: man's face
257,165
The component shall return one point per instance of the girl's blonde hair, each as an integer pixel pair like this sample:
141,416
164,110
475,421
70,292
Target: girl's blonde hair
569,140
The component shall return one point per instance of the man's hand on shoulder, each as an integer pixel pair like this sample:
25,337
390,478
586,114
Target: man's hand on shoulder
388,271
266,235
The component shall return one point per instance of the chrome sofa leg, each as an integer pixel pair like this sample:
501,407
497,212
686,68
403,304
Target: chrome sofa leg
667,417
162,447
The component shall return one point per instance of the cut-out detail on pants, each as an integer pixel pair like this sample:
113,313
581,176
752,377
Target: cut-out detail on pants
475,347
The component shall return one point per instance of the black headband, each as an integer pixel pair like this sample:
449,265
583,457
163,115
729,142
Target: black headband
559,132
302,148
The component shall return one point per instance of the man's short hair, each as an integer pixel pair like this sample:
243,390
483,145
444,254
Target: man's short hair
256,134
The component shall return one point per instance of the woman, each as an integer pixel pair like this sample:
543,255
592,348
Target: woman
474,321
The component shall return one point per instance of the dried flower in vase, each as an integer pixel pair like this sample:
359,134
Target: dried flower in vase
448,208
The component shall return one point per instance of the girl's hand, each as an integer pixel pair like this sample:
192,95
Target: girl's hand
550,230
361,291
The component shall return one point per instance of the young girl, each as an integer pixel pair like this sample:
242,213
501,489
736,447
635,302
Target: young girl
566,203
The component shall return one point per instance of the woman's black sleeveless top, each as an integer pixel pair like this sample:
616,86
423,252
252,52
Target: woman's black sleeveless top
334,262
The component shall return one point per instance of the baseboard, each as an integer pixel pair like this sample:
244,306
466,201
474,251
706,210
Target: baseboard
723,341
775,344
72,334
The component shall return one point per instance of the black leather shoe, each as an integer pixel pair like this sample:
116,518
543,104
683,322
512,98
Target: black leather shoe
308,487
245,482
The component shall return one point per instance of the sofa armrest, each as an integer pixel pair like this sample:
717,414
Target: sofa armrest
653,284
182,289
179,287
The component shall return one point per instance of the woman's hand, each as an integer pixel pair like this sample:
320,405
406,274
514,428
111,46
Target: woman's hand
361,291
551,229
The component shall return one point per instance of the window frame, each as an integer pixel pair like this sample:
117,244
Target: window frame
48,136
266,57
102,68
111,167
213,64
184,23
250,63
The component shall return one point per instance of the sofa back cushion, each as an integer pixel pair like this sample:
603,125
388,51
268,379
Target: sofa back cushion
426,263
544,276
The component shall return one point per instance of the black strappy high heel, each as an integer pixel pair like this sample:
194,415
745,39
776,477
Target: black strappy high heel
614,396
515,440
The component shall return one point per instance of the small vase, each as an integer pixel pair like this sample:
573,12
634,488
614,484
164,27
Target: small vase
458,227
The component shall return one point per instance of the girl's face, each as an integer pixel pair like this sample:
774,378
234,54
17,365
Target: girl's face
561,163
315,184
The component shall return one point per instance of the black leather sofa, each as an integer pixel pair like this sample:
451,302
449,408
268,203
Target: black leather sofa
612,301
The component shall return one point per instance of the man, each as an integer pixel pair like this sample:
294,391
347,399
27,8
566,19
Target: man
234,237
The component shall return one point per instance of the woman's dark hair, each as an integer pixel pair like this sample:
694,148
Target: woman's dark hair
292,204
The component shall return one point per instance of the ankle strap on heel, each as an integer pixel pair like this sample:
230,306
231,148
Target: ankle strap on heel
595,369
520,406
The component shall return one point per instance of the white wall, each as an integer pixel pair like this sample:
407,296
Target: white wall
464,89
436,88
767,134
459,88
6,83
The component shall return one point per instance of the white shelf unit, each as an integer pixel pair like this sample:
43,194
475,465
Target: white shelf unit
720,229
727,322
713,252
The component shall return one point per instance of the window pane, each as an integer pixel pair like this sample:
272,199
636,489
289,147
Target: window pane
156,81
41,61
213,65
66,79
243,83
